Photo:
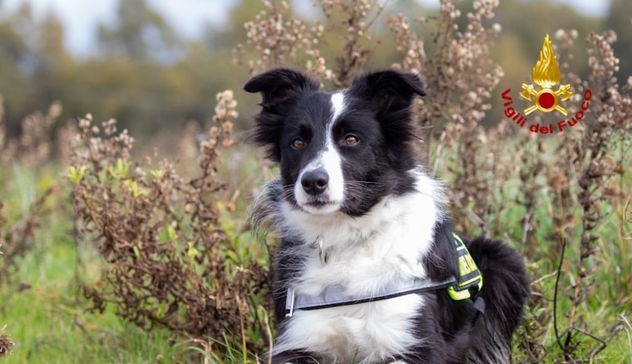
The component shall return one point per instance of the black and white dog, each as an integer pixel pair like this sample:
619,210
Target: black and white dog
359,221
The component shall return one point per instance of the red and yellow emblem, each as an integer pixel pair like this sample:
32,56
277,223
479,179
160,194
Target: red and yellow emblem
546,74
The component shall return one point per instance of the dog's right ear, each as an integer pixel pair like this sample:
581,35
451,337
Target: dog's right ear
279,84
389,90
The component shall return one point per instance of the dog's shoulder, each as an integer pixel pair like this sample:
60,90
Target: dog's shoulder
441,261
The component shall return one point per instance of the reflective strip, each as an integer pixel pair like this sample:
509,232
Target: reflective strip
458,238
469,274
458,295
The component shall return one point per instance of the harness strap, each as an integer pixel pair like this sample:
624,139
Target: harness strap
479,305
335,295
466,286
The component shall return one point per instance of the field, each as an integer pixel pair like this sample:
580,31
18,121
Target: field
46,314
117,250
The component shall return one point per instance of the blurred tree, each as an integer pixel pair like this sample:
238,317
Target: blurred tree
15,60
53,62
233,32
12,46
151,80
139,32
620,19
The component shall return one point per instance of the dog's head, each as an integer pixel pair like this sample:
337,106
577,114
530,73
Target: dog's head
342,150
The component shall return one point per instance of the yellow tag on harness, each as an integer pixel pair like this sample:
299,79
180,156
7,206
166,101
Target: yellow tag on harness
469,275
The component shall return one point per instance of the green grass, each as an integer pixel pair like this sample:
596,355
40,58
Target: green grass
44,311
49,326
49,323
42,307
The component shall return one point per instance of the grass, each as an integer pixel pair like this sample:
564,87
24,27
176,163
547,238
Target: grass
46,316
49,326
42,308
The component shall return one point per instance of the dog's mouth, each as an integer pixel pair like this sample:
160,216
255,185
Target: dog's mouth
320,206
319,203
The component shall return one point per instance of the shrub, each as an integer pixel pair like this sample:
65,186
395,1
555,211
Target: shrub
168,259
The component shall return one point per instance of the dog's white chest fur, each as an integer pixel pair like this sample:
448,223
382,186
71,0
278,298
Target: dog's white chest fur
363,255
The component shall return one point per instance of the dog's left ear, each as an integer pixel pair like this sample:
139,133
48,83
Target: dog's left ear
389,90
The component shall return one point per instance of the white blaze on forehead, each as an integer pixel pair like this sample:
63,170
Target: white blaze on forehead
329,159
338,105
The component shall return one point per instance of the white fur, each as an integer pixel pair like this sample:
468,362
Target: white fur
363,254
338,104
331,161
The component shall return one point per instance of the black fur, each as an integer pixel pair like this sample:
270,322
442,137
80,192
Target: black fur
463,336
293,106
377,110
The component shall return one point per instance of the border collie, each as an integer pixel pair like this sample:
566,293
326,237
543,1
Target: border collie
358,218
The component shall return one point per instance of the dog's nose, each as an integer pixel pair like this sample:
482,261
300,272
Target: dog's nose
315,182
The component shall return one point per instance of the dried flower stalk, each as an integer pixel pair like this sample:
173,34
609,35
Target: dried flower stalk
169,260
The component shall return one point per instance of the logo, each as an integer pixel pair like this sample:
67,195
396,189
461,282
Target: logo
546,75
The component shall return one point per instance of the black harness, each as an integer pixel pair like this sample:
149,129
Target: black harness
465,286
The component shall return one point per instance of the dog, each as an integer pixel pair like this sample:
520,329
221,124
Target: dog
366,244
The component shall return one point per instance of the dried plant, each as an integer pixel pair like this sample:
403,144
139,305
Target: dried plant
32,148
354,18
5,343
16,238
531,166
66,142
276,37
457,68
611,114
560,172
461,74
169,261
3,132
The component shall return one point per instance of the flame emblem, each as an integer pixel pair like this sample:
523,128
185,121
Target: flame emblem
546,74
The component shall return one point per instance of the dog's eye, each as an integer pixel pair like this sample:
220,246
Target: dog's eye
297,144
351,140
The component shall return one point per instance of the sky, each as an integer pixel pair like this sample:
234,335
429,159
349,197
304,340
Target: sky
188,17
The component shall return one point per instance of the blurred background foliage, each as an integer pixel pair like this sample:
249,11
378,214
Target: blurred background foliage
148,76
